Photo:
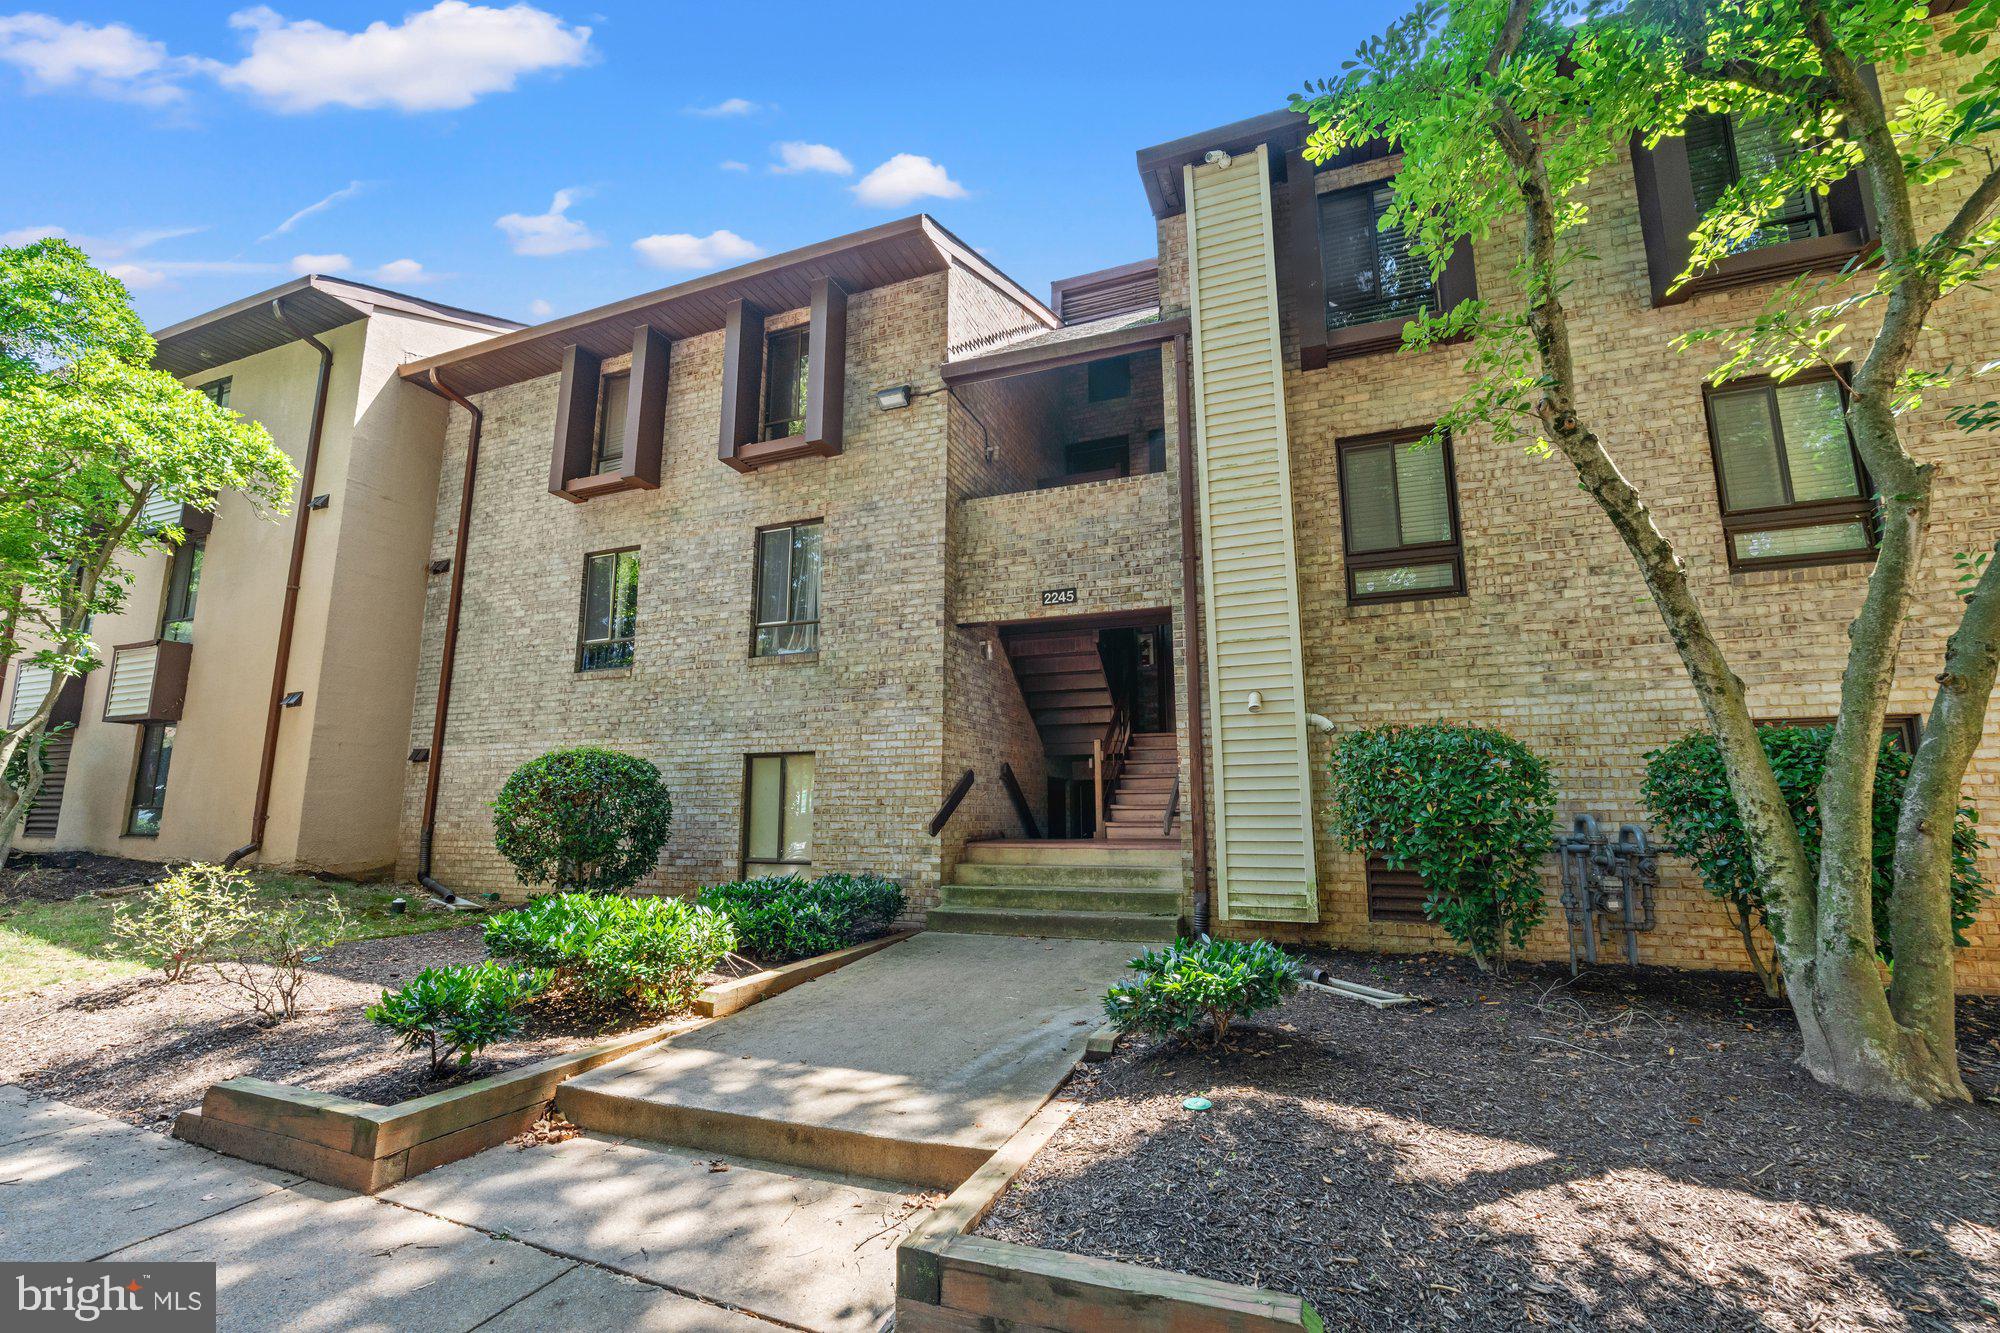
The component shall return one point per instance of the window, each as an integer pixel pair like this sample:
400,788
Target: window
183,587
1722,150
610,610
777,814
1370,274
1399,515
613,394
1110,379
1792,486
1112,455
786,363
1903,731
217,391
149,784
787,590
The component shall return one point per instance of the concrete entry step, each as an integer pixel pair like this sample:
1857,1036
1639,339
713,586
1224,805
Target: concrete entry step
1056,924
812,1249
1109,877
912,1065
1087,852
1062,898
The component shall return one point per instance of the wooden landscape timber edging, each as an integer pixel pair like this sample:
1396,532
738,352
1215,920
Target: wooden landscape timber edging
950,1281
367,1148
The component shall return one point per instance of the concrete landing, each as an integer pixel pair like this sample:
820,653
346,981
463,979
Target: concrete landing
911,1065
809,1249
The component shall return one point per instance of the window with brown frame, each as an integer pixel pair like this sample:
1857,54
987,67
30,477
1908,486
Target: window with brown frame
777,814
614,394
788,571
1108,380
1792,486
787,364
1399,518
1370,274
609,624
149,780
1723,149
217,391
183,588
1901,730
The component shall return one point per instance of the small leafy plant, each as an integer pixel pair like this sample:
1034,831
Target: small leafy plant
457,1012
1686,793
585,820
267,958
1195,989
783,918
187,919
651,953
1468,809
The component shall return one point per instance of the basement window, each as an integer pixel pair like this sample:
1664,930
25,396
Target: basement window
149,782
1399,517
777,815
610,610
787,362
1793,490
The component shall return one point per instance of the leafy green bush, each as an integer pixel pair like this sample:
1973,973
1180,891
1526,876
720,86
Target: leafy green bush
1468,809
648,952
783,918
186,919
584,819
1199,987
457,1012
1686,793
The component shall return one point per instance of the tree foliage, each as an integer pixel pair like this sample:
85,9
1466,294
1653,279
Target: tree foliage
583,819
1468,809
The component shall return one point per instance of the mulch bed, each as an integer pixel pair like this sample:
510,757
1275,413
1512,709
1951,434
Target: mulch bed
1626,1151
144,1050
60,876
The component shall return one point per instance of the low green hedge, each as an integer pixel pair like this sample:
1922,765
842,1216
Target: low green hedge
777,920
652,953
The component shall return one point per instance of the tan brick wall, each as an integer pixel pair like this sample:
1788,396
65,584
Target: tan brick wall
1116,542
871,705
1556,641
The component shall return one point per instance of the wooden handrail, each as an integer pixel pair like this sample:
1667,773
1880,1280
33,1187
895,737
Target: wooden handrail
1021,807
1173,808
958,791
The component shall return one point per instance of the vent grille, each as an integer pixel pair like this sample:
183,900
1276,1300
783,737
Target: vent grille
1100,296
130,697
47,810
31,686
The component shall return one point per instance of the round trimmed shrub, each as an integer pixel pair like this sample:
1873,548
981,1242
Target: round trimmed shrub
1467,808
782,918
585,820
1687,797
1195,989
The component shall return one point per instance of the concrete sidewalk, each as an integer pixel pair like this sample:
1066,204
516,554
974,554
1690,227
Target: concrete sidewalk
291,1254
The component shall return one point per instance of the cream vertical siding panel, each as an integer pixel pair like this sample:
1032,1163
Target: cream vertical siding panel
1263,785
130,694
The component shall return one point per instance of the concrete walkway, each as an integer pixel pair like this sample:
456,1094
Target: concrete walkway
291,1254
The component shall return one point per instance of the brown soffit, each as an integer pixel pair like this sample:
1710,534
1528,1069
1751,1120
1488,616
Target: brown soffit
1066,351
893,252
1285,131
314,304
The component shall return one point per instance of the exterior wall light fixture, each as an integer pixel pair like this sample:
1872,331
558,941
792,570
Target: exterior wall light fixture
888,400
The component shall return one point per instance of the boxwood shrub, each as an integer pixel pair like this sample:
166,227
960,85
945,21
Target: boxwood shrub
456,1012
783,918
583,819
1196,988
650,953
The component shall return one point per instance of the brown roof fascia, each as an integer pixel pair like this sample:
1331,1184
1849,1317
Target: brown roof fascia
1009,362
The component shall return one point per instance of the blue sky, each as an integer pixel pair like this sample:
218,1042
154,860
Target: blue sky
179,142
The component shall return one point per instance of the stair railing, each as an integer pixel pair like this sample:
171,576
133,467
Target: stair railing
1173,808
951,800
1021,806
1107,759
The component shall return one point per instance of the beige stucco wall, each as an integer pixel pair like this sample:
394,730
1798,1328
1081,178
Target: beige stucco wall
341,752
1556,641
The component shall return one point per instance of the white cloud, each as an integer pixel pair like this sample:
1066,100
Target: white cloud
540,309
797,156
728,106
29,235
347,191
110,60
733,165
334,263
440,59
124,255
903,178
550,233
682,250
405,271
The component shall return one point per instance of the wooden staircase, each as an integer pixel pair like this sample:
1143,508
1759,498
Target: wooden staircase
1062,679
1147,783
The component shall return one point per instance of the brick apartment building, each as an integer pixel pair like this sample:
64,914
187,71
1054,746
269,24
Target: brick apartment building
827,534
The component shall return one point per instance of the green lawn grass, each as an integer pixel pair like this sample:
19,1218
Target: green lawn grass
56,943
